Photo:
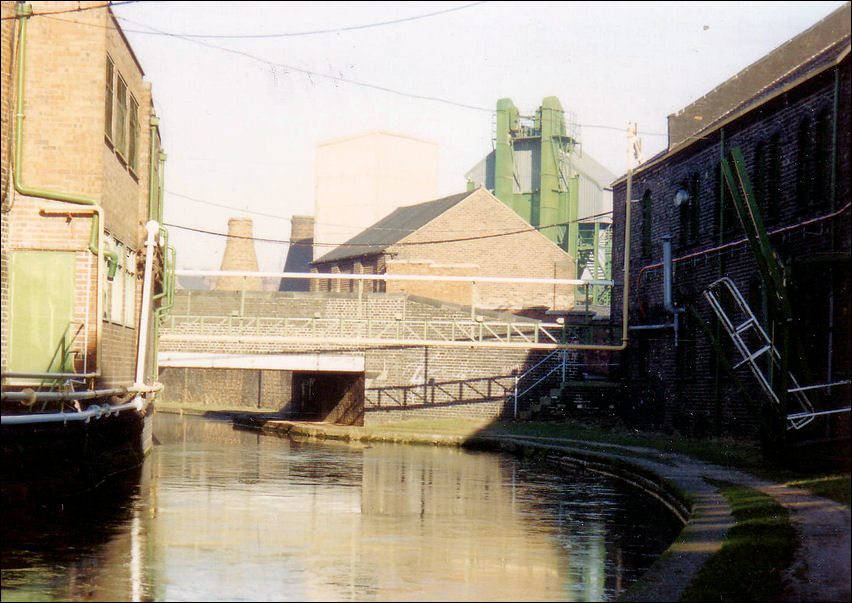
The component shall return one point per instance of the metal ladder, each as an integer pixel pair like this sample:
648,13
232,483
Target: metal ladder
739,327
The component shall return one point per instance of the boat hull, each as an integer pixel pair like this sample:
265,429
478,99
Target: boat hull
50,462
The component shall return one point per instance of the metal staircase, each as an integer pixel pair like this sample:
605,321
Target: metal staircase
753,344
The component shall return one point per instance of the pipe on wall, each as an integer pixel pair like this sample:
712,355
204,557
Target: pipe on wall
96,240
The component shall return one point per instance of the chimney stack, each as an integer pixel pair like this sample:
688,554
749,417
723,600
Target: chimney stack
300,254
239,255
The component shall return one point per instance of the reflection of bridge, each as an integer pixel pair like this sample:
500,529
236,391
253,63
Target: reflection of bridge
418,356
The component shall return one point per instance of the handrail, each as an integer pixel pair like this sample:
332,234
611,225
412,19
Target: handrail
420,330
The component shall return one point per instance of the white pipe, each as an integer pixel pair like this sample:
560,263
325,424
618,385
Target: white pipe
92,412
396,277
153,229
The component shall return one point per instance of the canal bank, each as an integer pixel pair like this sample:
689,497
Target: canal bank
821,566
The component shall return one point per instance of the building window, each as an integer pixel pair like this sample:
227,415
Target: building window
132,134
110,69
121,117
772,199
804,164
685,353
822,160
758,178
120,292
688,208
725,212
129,277
646,222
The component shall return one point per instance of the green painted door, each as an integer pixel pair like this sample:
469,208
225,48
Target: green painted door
42,308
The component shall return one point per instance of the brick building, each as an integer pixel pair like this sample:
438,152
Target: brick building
467,234
788,115
80,180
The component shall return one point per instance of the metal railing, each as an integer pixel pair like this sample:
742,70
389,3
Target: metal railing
362,330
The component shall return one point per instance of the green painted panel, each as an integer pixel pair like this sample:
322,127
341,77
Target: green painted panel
42,308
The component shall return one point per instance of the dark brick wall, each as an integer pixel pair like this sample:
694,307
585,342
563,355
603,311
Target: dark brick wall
682,385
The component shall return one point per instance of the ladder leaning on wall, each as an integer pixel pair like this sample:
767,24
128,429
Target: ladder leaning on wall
752,343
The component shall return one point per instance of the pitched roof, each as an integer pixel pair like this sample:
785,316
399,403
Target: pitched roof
822,46
392,228
815,47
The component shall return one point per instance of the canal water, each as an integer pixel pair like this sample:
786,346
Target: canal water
221,514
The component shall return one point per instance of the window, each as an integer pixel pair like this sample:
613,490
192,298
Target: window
804,164
116,287
725,212
688,209
132,134
129,277
120,292
758,178
646,222
110,68
121,117
685,353
772,198
822,160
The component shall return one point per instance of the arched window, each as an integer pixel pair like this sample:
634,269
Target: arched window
646,222
804,164
758,178
774,192
821,192
725,213
688,209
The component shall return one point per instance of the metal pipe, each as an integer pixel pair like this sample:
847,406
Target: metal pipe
96,239
49,375
153,229
26,396
650,327
92,412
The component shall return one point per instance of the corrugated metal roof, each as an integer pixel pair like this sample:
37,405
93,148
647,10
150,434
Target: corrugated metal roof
392,228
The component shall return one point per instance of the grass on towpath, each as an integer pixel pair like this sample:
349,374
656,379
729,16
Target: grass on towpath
757,549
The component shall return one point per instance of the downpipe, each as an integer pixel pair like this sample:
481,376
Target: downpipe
153,229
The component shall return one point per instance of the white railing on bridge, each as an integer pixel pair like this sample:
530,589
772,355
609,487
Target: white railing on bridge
362,330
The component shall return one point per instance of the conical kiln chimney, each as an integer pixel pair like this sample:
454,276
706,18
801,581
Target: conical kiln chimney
239,255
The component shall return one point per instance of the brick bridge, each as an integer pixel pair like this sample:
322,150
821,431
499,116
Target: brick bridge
353,359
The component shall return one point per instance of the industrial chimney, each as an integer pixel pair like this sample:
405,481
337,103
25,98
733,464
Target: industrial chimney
300,254
239,255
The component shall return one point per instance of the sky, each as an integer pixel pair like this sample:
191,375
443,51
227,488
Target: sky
246,90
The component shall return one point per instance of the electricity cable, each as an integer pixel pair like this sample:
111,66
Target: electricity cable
377,245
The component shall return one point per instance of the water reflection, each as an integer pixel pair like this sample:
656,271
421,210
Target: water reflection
219,514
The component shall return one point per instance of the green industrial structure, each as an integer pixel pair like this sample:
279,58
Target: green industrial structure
538,169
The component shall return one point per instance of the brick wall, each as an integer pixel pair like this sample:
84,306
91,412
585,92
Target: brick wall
65,150
478,236
700,398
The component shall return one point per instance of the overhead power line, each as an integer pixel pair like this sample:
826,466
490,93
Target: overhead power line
79,9
401,243
196,39
305,33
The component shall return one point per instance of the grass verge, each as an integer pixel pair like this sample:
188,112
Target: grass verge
757,549
834,487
